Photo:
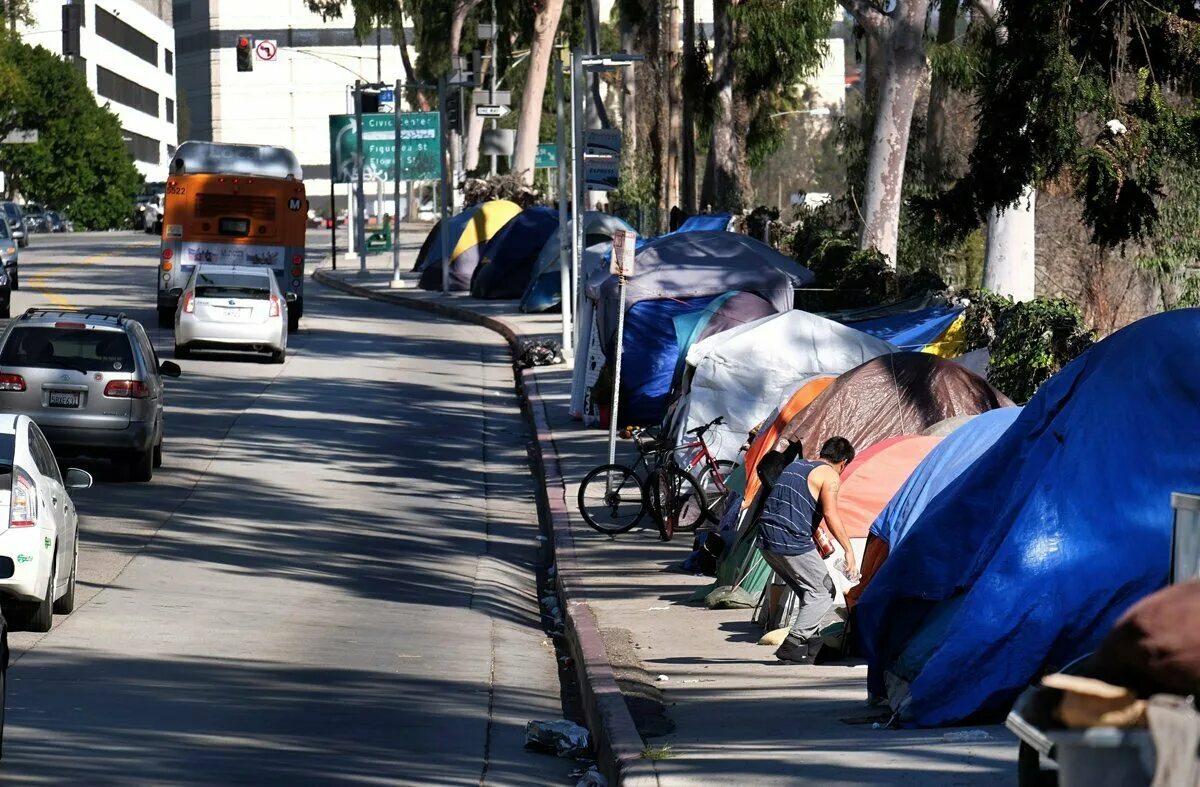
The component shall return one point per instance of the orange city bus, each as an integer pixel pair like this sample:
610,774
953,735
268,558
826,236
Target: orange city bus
233,205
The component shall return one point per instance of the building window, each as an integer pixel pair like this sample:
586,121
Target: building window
170,111
142,148
182,10
169,61
170,150
123,35
117,88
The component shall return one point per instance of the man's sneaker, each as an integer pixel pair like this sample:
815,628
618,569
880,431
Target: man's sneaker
794,652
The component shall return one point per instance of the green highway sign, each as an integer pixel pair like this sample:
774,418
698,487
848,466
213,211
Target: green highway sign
420,146
547,156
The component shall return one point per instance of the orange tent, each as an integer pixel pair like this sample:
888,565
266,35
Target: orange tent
766,438
869,484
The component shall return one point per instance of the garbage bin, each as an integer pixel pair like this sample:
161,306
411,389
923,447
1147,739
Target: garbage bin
1103,755
1185,545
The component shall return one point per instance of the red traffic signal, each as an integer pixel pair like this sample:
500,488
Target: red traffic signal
245,54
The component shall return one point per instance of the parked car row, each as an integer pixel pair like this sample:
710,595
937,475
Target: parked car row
23,221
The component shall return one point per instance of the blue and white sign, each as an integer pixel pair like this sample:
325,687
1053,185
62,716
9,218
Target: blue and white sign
387,100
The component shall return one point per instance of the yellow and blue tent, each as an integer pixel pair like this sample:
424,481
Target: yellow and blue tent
470,232
937,330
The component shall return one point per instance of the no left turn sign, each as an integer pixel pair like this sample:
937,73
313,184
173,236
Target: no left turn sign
266,50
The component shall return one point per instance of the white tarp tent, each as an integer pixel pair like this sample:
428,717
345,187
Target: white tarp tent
745,373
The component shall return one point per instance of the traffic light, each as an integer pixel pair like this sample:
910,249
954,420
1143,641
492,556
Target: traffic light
454,110
245,53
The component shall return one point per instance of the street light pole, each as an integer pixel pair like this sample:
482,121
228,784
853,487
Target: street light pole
443,89
566,283
397,173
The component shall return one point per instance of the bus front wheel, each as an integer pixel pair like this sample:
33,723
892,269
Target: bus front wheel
295,310
166,317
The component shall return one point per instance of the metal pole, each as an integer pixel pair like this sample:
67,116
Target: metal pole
445,208
577,177
492,93
566,289
616,391
360,228
332,221
396,174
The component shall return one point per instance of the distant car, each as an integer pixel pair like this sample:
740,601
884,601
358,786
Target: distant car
39,549
10,255
59,222
92,382
36,219
16,222
232,307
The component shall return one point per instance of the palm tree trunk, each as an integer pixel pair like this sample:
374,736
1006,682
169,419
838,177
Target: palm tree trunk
545,27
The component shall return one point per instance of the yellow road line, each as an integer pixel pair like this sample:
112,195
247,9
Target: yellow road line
38,281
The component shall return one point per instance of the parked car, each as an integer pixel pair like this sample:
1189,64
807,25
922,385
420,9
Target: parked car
36,219
10,256
59,222
16,222
39,547
232,307
92,382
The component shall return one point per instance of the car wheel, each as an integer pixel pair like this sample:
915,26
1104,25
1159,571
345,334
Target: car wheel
166,317
182,352
41,613
141,465
278,356
293,320
158,455
66,604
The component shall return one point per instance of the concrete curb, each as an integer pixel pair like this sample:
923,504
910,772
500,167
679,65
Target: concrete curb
615,738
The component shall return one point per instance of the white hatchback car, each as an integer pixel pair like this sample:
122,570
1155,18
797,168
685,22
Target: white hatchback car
232,307
39,535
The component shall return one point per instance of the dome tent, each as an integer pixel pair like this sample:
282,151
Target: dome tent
507,263
543,294
467,247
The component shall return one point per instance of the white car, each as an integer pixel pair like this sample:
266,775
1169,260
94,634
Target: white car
232,307
39,543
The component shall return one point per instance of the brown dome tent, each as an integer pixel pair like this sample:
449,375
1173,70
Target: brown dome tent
901,393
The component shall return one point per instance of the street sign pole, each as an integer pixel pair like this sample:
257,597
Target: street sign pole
445,207
576,180
622,265
396,173
492,87
566,288
360,228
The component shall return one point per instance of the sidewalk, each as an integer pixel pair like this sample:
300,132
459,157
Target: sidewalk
727,712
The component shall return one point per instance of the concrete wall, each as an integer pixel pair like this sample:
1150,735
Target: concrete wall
143,15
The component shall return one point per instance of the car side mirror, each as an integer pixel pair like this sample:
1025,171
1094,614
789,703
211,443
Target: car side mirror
170,369
177,292
291,297
78,479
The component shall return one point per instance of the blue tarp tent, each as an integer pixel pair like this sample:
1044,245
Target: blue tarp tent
938,469
1056,530
705,222
507,263
912,330
544,283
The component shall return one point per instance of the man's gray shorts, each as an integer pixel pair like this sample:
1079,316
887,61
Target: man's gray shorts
807,576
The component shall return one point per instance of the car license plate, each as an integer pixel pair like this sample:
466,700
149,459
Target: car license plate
234,314
65,399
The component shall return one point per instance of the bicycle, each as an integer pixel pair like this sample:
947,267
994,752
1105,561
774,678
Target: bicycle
613,498
713,474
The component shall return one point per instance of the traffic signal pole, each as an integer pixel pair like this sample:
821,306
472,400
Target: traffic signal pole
360,229
397,173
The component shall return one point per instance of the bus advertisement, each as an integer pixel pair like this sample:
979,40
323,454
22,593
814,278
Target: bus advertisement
233,205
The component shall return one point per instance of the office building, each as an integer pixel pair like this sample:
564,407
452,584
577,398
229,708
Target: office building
127,52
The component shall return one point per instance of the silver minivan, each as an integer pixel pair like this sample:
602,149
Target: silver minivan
92,382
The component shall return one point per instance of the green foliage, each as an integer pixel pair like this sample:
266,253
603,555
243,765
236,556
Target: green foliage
80,164
636,197
1029,342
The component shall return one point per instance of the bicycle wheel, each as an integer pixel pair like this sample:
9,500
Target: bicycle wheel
675,500
715,494
611,499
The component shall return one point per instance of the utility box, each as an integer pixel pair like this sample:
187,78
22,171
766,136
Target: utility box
1185,543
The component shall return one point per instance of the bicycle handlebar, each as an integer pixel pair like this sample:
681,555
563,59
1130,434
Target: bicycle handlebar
700,430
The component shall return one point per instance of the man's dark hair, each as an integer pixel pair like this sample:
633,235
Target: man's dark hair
837,449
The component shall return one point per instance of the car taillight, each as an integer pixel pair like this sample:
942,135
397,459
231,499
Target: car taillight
189,303
22,510
274,306
12,382
127,389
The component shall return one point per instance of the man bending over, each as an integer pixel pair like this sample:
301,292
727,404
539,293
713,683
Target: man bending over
805,493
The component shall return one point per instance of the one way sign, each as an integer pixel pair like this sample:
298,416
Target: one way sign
491,111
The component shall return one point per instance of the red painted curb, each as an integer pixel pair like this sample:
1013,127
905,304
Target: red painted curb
617,743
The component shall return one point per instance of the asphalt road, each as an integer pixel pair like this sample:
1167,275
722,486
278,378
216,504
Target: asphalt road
329,581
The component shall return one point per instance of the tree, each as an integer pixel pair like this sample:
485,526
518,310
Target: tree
901,34
545,27
80,163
